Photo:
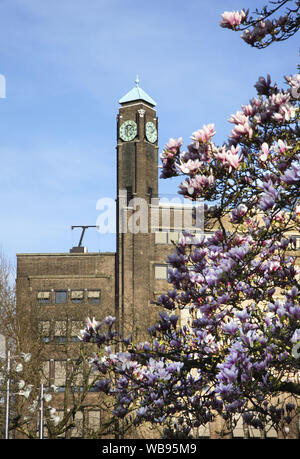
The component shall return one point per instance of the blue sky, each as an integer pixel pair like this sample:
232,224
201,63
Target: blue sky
66,65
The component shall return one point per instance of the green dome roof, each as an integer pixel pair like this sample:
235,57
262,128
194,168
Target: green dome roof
137,93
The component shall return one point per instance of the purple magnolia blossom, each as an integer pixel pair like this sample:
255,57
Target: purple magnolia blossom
141,411
263,85
296,336
242,315
269,196
109,320
230,328
292,175
104,385
238,213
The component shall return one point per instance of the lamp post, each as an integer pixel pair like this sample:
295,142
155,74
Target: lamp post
26,358
7,398
41,436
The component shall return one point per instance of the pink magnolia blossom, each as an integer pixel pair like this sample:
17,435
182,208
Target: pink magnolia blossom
249,109
173,146
191,187
230,157
286,112
256,103
294,82
282,145
231,19
279,99
190,167
239,118
243,126
205,134
280,104
265,151
242,130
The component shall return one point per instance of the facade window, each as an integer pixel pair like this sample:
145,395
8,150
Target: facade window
60,296
94,420
44,330
45,372
150,193
60,373
77,430
76,326
43,297
77,296
94,296
297,242
161,272
60,331
75,339
60,339
161,237
167,237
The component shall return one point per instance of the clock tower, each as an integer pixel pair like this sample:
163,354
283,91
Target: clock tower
137,186
137,145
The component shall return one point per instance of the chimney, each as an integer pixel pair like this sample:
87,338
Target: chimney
79,250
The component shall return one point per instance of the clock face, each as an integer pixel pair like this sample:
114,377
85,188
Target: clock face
151,132
128,130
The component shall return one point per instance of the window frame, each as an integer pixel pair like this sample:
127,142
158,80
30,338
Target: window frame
91,300
61,291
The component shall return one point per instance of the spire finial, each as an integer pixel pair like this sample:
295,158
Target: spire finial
137,81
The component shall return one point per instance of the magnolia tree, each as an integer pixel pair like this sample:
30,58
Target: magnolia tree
264,26
236,355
